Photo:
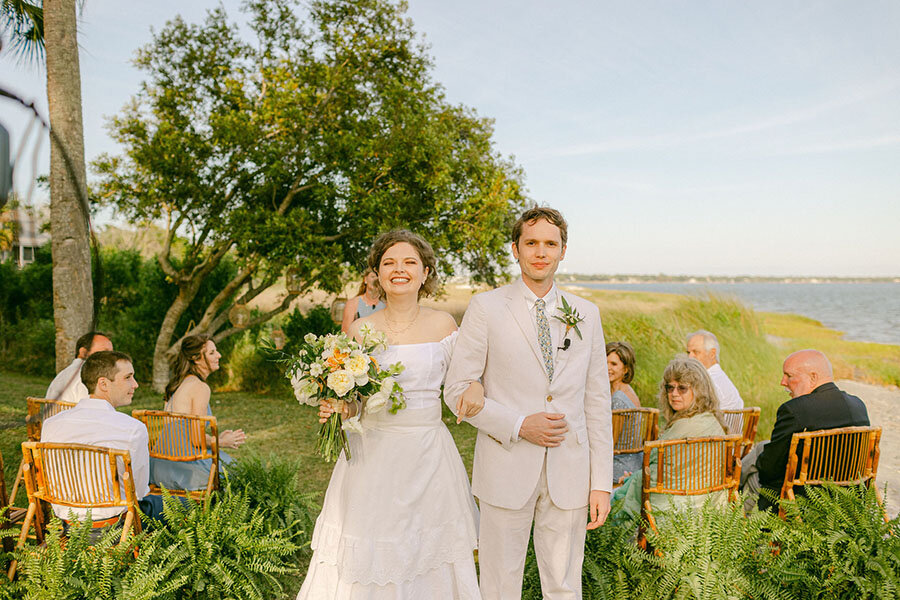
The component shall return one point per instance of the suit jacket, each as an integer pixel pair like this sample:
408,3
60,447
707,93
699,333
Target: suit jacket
498,345
826,407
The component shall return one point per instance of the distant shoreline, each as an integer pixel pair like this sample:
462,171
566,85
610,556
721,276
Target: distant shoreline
704,279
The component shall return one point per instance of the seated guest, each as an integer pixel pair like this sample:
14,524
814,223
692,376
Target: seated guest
67,385
366,301
704,346
620,364
689,406
188,393
816,403
109,378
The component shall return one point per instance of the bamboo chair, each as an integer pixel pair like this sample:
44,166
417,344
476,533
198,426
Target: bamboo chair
632,427
13,514
744,421
78,476
162,427
680,472
845,456
39,409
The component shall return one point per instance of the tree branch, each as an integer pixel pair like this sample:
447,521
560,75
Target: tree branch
163,257
285,304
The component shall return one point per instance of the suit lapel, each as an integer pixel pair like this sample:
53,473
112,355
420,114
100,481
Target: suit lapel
519,309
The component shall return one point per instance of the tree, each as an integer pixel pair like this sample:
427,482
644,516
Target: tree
294,150
73,292
49,28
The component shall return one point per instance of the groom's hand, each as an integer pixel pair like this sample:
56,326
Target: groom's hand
599,507
544,429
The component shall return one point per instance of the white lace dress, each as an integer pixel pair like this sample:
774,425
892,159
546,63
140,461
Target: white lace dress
399,520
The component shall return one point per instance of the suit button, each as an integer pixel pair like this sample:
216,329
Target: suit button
549,398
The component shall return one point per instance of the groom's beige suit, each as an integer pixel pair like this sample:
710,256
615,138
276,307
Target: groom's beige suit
514,479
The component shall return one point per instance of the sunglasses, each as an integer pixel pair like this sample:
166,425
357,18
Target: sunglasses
682,389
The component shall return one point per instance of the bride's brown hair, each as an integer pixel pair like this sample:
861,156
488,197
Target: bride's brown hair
184,363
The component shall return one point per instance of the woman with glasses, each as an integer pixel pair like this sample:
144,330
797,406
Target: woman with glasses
690,409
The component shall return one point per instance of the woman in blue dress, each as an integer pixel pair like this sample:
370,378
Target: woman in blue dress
620,363
365,302
188,393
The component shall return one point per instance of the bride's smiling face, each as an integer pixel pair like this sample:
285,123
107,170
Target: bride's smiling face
401,270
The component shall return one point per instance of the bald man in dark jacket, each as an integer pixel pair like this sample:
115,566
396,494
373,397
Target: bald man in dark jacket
816,403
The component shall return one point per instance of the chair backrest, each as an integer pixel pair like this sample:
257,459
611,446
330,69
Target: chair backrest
632,427
694,466
179,437
40,409
79,475
844,456
745,422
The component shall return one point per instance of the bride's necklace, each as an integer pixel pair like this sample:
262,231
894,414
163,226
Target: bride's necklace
387,322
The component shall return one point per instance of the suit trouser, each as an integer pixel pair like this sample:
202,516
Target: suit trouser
558,543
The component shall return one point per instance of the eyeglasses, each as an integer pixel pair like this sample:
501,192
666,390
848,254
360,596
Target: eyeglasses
682,389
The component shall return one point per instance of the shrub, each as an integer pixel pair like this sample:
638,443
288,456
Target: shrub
252,367
230,552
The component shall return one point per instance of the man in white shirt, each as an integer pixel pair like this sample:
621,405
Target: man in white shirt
704,346
109,377
67,385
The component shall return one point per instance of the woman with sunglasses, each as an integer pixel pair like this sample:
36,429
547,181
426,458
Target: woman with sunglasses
690,409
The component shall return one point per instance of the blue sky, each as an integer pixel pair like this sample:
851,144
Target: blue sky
683,138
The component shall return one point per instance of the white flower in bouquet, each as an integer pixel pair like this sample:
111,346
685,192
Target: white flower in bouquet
341,382
304,390
310,338
357,364
316,369
376,402
353,424
372,338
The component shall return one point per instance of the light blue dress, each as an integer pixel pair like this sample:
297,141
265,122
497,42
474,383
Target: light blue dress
188,475
624,462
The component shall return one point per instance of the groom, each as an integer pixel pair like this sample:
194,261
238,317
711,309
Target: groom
544,447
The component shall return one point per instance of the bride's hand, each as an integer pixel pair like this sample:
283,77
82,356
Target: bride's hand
470,402
326,409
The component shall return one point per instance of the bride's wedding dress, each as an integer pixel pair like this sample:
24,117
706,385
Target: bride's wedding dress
399,520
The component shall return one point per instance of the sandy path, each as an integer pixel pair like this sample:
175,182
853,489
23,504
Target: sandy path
883,404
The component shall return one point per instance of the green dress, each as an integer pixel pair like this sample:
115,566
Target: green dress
701,425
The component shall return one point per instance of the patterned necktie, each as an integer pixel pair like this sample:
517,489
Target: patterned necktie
543,327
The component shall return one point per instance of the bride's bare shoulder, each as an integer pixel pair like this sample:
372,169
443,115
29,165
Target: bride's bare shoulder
439,321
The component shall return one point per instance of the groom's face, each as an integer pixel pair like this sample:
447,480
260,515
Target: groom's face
539,250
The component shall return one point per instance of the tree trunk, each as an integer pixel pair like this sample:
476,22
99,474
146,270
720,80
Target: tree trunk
73,293
164,347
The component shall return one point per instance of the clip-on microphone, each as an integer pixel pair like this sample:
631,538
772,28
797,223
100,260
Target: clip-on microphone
566,343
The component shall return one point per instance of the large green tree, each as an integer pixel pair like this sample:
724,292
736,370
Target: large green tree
292,150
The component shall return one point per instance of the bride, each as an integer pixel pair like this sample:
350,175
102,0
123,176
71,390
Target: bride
399,520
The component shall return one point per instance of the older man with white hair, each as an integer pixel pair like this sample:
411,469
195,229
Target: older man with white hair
704,346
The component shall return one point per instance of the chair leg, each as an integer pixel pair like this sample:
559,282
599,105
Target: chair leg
32,507
18,480
126,527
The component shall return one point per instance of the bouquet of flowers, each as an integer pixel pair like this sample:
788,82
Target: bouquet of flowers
338,369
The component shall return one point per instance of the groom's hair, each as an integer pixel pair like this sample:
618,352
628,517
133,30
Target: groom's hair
531,215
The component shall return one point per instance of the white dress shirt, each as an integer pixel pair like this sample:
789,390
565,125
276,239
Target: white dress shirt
551,300
729,397
67,385
97,423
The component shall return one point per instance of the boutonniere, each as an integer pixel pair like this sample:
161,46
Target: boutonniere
569,317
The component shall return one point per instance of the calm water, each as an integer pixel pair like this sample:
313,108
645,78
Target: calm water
867,312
